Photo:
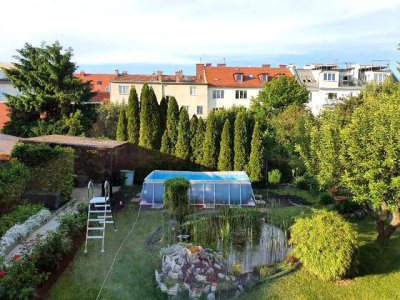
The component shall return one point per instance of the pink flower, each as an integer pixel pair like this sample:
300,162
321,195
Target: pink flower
16,257
2,274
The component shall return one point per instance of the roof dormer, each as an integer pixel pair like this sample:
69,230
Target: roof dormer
263,77
239,77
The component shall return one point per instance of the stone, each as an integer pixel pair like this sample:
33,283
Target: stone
163,287
206,289
173,291
210,271
173,275
186,286
195,294
217,266
211,296
200,278
221,276
158,276
213,287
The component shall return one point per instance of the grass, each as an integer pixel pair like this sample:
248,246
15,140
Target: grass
379,275
133,274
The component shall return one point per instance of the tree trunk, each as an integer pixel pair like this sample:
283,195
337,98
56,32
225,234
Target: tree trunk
384,234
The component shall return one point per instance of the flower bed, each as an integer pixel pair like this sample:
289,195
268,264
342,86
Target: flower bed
20,231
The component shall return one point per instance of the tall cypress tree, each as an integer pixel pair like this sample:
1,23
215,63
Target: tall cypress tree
256,163
122,125
182,149
172,122
225,159
210,152
149,119
197,147
163,114
165,143
133,116
193,128
240,142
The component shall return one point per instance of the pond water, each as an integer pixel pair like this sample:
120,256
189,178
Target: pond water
270,249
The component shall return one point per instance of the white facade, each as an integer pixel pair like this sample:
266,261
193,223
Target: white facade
226,97
5,84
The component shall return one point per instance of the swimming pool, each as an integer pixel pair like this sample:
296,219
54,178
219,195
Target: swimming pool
207,188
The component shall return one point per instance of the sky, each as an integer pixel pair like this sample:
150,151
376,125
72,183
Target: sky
149,35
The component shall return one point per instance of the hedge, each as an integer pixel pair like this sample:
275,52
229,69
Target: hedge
55,166
13,178
176,199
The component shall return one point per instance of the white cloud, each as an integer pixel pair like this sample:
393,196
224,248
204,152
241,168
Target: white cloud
181,31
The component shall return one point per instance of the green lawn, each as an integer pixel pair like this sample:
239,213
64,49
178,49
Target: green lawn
379,275
133,273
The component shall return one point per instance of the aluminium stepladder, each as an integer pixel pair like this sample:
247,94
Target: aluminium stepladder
99,214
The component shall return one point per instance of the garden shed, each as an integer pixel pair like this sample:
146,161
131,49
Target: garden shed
95,158
207,188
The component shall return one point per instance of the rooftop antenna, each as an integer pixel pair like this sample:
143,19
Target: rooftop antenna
200,59
224,60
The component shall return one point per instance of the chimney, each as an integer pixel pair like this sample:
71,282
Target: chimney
267,66
82,73
124,73
221,65
208,64
179,76
159,75
282,66
200,72
116,73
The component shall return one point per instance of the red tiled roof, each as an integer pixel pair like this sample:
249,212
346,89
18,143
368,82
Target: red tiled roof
225,76
152,78
99,81
4,111
101,97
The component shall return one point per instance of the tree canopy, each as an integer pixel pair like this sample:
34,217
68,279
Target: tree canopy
50,98
133,116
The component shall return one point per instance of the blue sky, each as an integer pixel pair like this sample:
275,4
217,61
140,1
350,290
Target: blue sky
145,36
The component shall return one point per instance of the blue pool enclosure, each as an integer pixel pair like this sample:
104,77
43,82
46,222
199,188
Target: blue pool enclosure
207,188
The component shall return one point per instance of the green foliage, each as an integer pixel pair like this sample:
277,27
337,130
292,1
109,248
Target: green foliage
182,149
197,143
172,122
149,119
326,198
240,141
176,198
55,166
274,177
50,93
225,159
257,159
278,94
210,150
346,207
121,134
325,244
193,129
165,144
13,179
265,271
72,223
236,269
18,216
133,117
107,120
163,114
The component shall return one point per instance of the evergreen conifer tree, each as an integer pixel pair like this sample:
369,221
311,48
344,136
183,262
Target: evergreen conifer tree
122,126
165,143
256,163
172,122
133,116
163,114
182,149
197,148
240,142
193,128
149,119
225,159
210,150
156,133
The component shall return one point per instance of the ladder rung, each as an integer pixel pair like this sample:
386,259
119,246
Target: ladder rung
95,220
99,211
95,228
94,237
102,205
107,222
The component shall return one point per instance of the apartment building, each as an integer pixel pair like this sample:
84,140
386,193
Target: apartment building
212,88
329,84
100,85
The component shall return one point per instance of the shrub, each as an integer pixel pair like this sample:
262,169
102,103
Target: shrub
236,269
274,177
71,223
326,198
176,199
346,207
265,271
107,119
13,178
55,166
301,183
19,215
325,244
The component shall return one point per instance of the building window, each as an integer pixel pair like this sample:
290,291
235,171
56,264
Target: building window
123,89
108,88
264,77
329,76
379,77
199,110
332,96
218,94
239,77
99,82
241,94
193,91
